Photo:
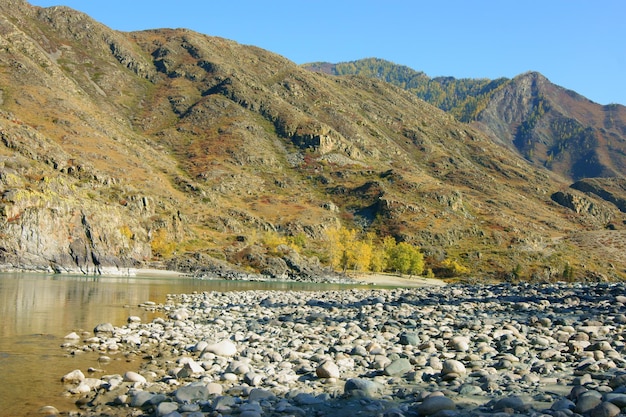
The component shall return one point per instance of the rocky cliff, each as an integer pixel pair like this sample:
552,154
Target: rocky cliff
121,150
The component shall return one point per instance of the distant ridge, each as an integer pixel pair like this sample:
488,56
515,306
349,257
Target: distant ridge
549,125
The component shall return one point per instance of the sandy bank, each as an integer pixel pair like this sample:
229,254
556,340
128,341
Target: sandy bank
158,272
398,281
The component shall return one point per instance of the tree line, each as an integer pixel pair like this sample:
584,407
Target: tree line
350,251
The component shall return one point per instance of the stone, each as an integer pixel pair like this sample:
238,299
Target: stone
224,403
72,336
398,367
81,388
563,404
141,399
213,388
253,379
513,402
250,413
223,348
617,398
605,409
460,343
305,398
166,408
192,392
470,389
104,328
192,366
73,377
587,402
258,394
359,387
179,315
452,366
48,410
131,376
327,369
359,351
410,339
435,404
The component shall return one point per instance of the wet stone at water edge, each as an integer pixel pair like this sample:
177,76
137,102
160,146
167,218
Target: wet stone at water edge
537,350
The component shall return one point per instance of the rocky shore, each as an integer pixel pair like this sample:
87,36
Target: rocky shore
539,350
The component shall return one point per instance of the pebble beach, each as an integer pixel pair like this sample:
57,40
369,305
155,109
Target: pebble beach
455,350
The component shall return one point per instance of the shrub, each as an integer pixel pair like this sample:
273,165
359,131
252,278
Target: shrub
160,244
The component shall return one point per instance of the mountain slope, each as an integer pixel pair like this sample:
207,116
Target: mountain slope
549,125
119,150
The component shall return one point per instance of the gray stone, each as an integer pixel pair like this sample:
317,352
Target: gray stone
48,410
223,348
359,387
359,351
605,409
224,403
327,370
73,377
513,402
104,328
250,413
587,402
563,404
141,399
131,376
192,392
398,367
410,338
173,414
166,408
616,398
435,404
259,394
452,366
304,398
470,389
460,343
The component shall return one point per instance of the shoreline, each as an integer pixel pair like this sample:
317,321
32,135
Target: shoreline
398,281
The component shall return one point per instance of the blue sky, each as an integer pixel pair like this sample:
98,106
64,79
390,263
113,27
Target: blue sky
580,45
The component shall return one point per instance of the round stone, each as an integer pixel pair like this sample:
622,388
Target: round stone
605,409
398,367
327,370
104,328
452,366
73,377
131,376
360,387
223,348
435,404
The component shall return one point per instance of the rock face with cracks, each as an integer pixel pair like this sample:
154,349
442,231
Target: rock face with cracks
540,350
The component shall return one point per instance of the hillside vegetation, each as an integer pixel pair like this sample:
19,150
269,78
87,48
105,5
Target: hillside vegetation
171,148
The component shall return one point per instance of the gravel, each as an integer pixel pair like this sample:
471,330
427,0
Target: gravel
541,350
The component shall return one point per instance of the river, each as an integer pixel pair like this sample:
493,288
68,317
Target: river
37,311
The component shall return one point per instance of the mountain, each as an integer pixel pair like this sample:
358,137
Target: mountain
548,125
171,148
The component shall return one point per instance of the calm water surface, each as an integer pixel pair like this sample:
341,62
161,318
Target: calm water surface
38,310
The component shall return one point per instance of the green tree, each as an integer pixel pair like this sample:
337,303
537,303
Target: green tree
406,259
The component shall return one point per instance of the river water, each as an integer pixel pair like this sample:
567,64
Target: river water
37,311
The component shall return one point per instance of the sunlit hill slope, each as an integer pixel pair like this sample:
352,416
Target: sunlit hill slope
181,150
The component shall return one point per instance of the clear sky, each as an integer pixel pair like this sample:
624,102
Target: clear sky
577,44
